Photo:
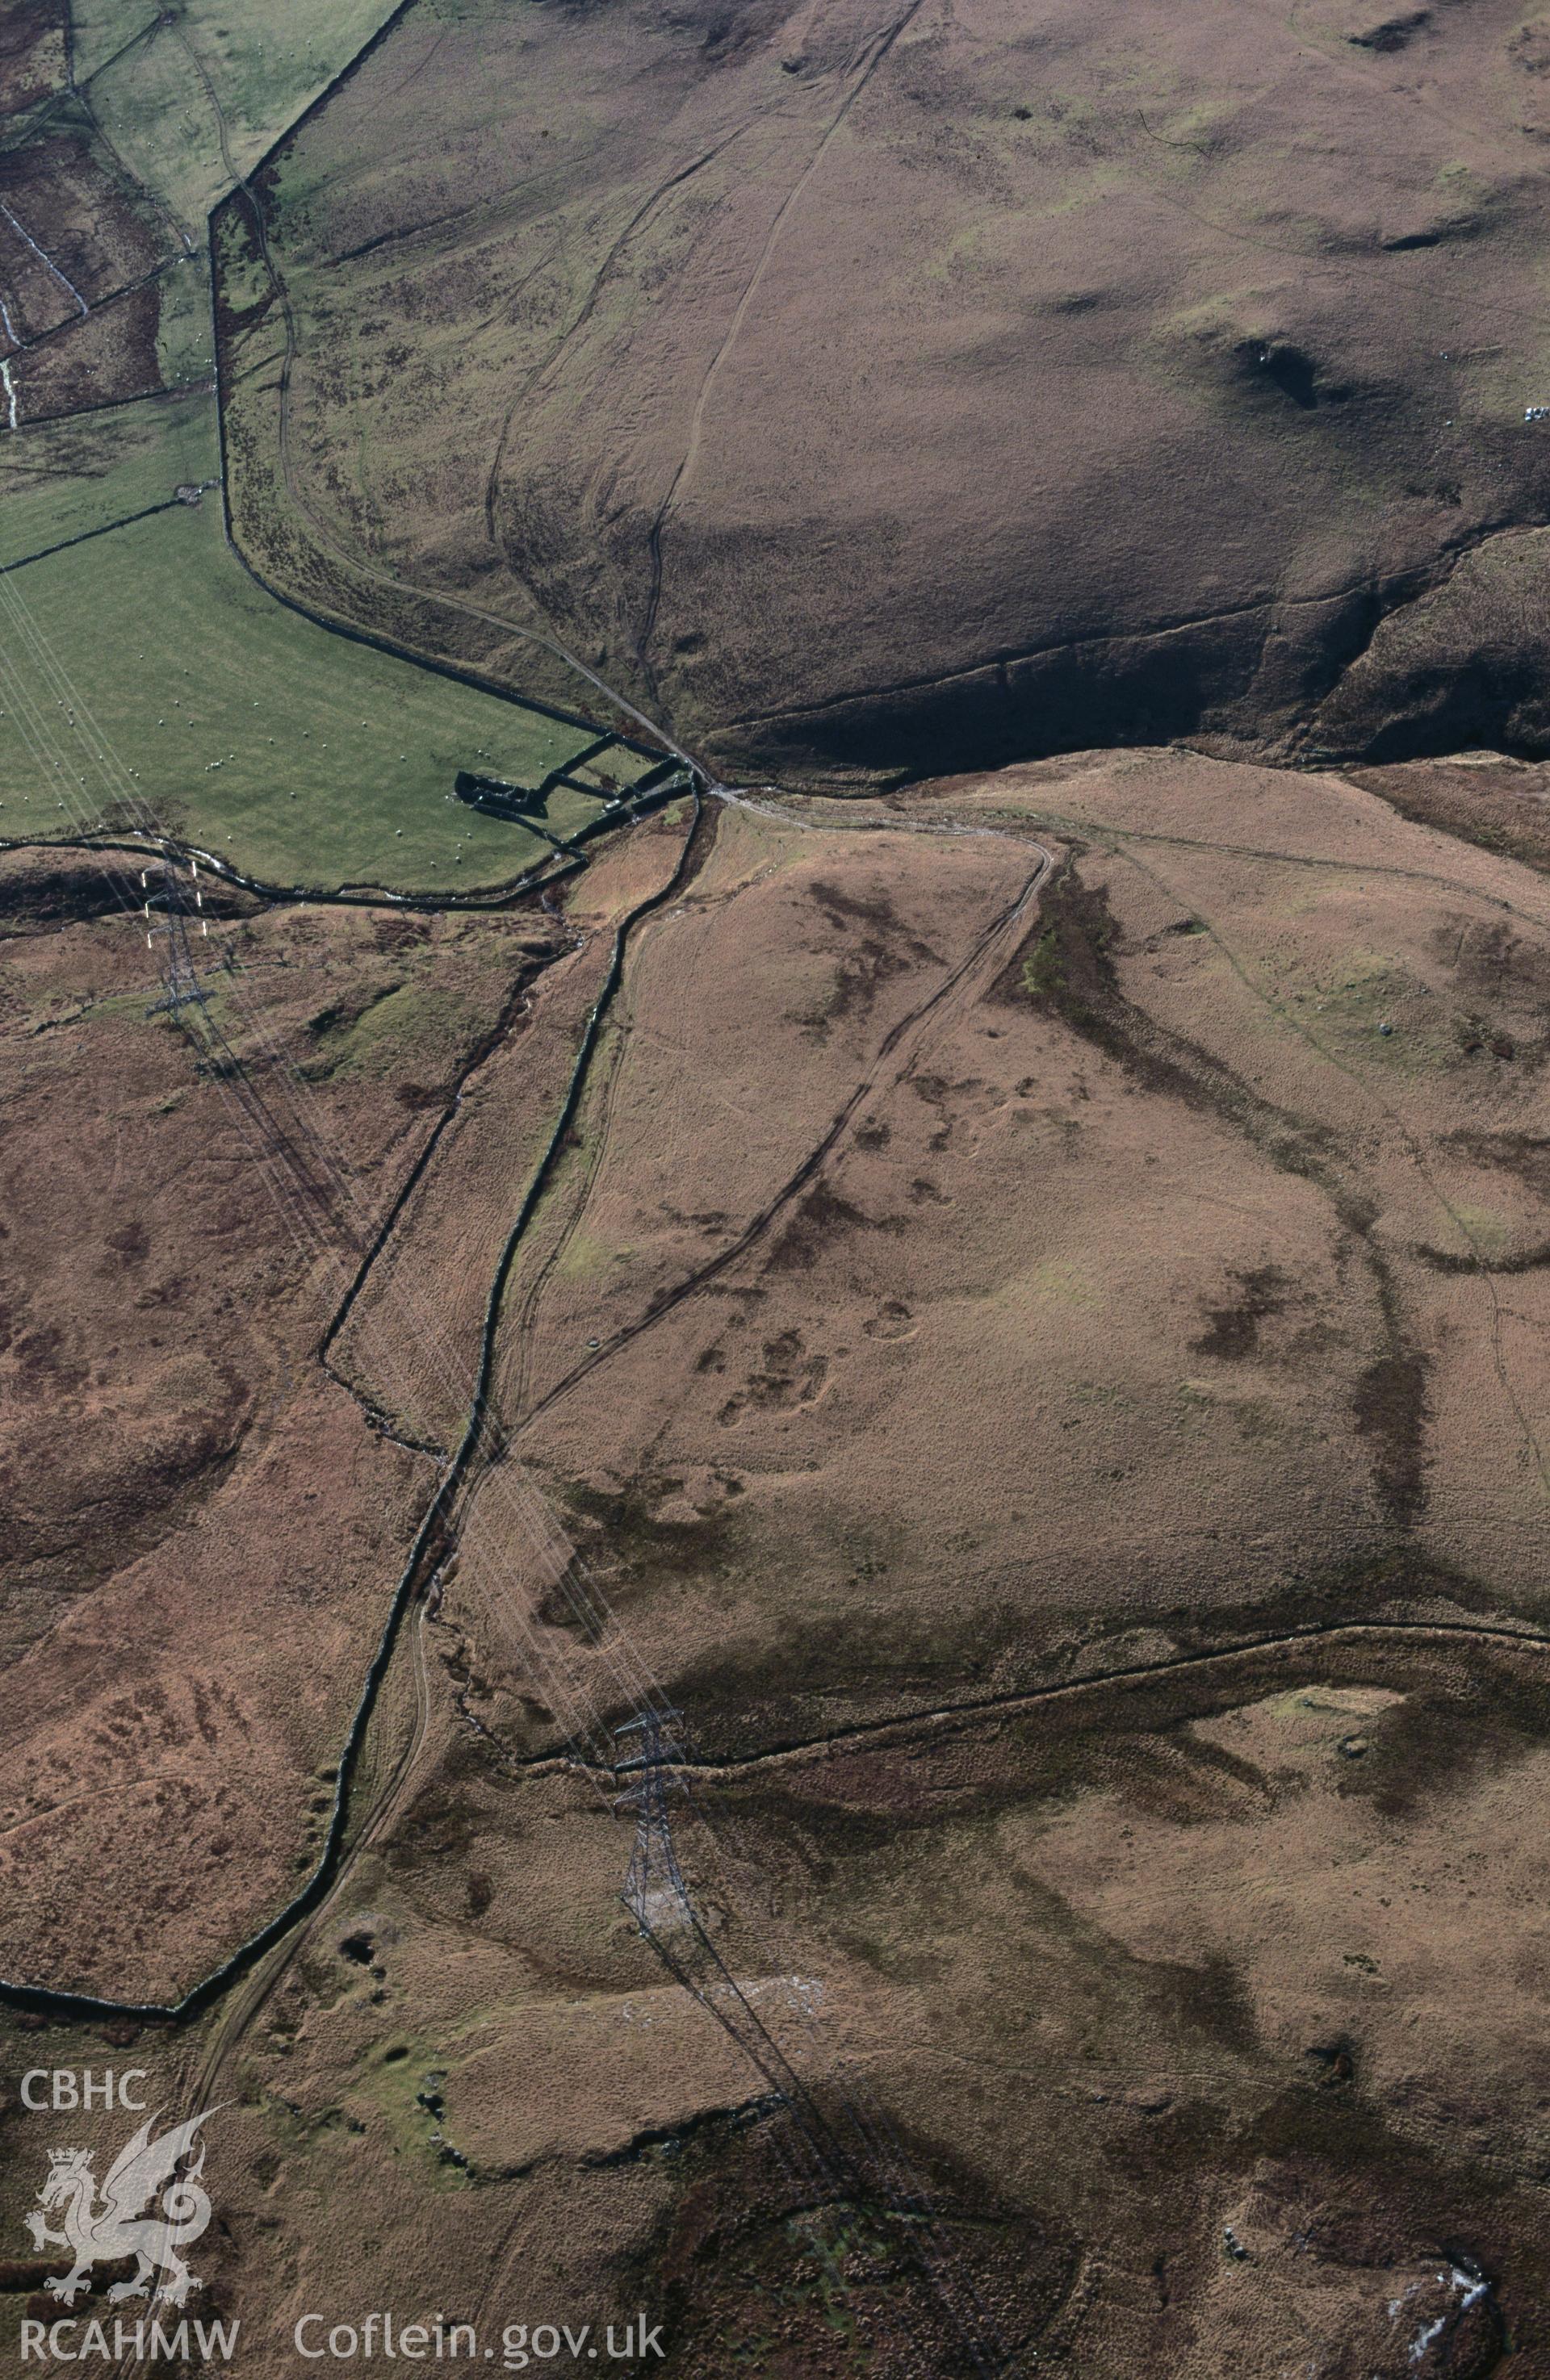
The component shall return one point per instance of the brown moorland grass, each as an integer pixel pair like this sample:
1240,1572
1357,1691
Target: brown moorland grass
1179,1276
1080,1290
874,391
202,1524
1175,2002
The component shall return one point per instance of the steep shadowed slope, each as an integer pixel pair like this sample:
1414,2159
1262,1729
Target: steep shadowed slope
895,389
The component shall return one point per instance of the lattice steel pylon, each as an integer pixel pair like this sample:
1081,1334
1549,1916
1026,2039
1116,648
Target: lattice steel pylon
166,897
657,1896
654,1891
171,908
837,2154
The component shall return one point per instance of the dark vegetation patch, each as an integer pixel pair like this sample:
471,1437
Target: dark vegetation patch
935,1091
723,32
1374,2199
352,1006
1490,958
31,52
1067,965
1525,1154
42,891
1232,1330
20,2274
1178,1777
750,1701
1448,1735
1392,34
956,1660
846,910
1394,1581
878,947
1475,1036
1449,677
1210,1999
1291,370
791,1377
650,1549
1335,2059
1326,2177
756,2272
859,1804
396,934
45,897
74,215
67,1550
440,1826
570,1604
821,1215
1530,48
1446,1260
1390,1407
669,2138
959,1655
101,359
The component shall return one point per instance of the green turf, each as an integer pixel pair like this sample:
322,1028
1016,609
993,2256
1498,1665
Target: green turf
60,479
266,60
300,755
153,107
184,344
166,85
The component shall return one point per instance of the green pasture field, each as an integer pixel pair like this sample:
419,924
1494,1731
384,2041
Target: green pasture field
303,756
167,86
66,478
265,60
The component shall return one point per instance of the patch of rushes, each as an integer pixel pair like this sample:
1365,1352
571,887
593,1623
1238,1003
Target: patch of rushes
1066,965
324,546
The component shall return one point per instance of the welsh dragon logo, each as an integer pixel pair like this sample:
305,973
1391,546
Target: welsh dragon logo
125,2222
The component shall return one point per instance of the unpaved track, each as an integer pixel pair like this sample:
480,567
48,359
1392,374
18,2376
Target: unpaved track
985,957
433,1543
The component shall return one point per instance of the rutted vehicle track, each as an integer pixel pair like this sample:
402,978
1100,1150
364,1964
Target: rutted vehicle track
431,1543
985,949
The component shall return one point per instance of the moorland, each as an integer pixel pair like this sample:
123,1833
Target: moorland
777,1433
